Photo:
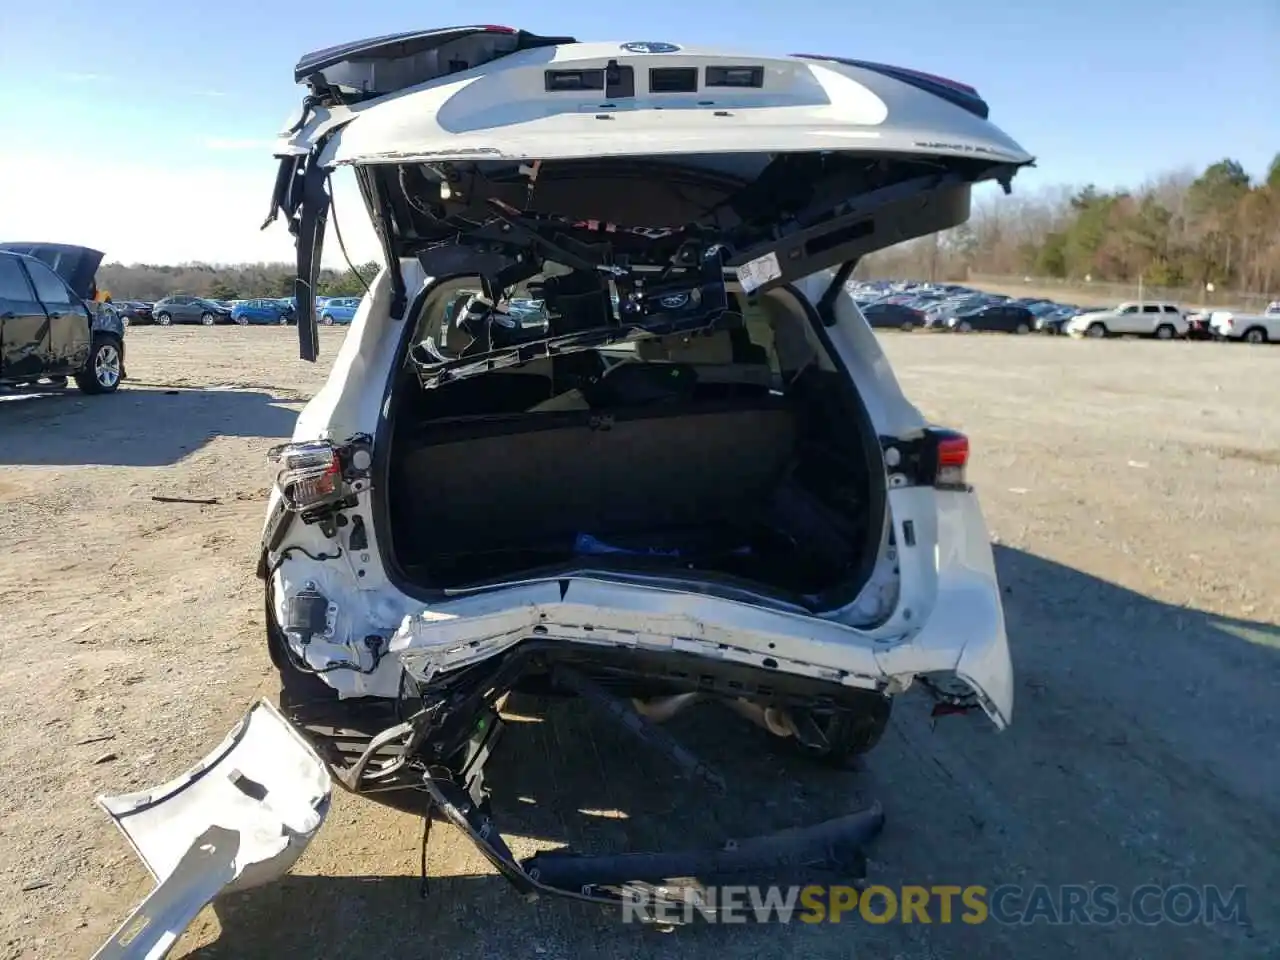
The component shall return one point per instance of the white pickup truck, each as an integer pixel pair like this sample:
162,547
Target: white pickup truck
1249,327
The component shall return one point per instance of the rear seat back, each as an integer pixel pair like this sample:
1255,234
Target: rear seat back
544,478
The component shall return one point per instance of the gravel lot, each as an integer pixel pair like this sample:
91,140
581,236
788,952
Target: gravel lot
1133,488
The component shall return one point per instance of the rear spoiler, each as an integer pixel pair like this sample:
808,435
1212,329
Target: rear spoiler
953,91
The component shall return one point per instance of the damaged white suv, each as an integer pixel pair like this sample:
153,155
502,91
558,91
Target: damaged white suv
609,422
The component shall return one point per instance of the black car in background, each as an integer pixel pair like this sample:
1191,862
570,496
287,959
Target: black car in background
135,313
185,309
51,329
894,316
994,317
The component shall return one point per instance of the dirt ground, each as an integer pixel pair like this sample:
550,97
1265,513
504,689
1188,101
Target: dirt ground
1133,489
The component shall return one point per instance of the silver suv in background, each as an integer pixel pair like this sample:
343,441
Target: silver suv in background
1164,321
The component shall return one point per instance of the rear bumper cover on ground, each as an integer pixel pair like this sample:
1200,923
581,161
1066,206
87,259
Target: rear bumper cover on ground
239,818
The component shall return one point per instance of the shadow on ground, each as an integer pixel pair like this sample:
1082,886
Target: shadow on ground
1142,751
133,427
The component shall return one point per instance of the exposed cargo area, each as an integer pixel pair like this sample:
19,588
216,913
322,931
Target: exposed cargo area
734,453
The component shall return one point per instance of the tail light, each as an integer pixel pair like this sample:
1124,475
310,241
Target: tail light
310,474
952,460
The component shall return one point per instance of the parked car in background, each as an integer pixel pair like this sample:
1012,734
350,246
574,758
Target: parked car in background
1200,325
134,313
995,318
1250,327
338,310
1164,321
50,327
260,312
938,314
893,316
185,309
1053,322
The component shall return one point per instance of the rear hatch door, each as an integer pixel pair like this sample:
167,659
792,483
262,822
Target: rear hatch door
489,100
76,265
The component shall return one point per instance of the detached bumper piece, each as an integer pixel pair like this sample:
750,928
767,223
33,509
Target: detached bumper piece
461,797
837,844
238,819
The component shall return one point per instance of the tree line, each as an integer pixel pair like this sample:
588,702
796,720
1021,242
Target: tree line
1180,230
245,281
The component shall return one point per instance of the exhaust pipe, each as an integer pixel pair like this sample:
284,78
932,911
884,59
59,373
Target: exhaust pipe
774,719
662,709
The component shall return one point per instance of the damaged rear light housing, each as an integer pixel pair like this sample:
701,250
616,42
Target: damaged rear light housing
310,474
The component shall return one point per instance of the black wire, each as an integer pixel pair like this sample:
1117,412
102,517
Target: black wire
424,885
285,553
338,233
300,665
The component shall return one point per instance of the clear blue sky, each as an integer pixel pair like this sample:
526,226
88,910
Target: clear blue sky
154,120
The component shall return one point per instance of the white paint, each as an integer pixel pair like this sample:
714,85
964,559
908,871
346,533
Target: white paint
200,835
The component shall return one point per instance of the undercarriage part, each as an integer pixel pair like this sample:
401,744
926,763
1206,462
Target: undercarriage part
775,720
622,711
834,844
662,709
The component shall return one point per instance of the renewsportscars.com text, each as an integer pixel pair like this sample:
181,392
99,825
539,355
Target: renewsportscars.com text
1007,904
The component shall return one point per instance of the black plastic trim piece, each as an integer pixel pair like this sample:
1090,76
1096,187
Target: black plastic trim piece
397,45
558,81
725,77
673,80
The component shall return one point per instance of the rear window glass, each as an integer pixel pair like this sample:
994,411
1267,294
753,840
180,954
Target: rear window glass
49,287
13,285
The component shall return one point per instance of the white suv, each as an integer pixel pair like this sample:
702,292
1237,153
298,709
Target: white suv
1164,321
694,478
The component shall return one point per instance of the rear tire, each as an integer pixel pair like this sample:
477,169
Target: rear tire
1096,330
1164,332
1255,335
326,319
206,319
163,319
105,368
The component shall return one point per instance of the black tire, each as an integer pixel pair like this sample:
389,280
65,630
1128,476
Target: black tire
326,319
1255,335
1165,332
164,319
1096,330
207,319
964,326
105,367
850,733
1022,329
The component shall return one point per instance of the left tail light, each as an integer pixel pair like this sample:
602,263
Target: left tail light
310,474
952,460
